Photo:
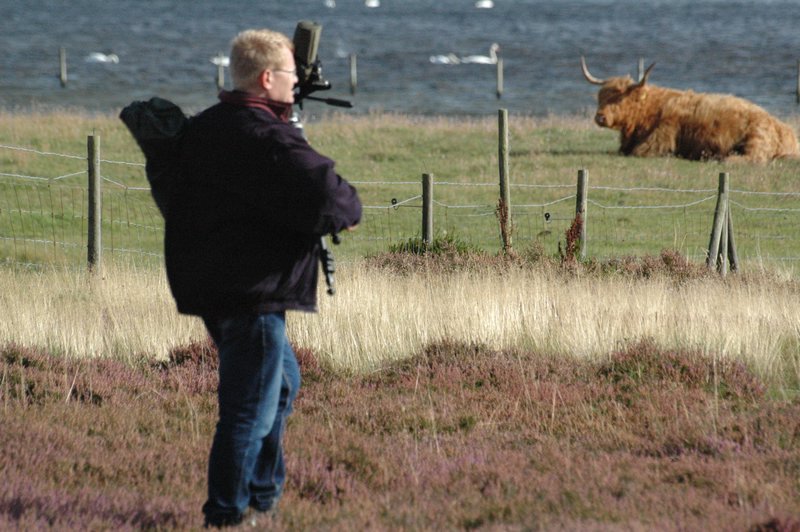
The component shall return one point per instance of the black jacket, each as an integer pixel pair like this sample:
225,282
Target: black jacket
246,215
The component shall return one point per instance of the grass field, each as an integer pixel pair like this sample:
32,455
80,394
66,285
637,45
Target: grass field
637,206
457,391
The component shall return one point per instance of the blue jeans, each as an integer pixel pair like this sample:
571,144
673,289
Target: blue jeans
258,381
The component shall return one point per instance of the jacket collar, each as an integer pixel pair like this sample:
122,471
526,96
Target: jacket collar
280,110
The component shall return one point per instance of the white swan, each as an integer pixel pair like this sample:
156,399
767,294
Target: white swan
98,57
449,59
372,3
484,4
490,59
221,60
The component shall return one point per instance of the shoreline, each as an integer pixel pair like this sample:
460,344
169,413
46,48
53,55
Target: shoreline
570,120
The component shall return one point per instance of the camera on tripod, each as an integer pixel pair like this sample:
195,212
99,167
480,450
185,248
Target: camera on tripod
309,80
309,67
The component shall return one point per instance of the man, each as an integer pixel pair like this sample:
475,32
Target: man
242,247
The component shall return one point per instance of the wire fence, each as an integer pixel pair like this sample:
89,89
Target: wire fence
44,218
621,221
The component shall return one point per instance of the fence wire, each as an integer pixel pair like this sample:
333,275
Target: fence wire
43,218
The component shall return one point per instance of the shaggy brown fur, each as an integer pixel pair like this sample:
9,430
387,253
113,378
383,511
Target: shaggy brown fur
655,121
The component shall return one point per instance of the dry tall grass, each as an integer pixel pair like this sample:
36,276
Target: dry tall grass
379,316
125,313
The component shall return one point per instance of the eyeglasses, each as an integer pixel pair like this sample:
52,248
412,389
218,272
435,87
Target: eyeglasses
293,72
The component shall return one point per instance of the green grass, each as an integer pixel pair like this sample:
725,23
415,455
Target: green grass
387,154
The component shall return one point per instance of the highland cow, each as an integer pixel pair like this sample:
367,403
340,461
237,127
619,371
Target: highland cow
655,121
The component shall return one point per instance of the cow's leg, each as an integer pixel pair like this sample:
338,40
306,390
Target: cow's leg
658,143
787,142
758,147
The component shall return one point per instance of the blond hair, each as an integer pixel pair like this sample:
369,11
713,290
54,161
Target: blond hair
252,52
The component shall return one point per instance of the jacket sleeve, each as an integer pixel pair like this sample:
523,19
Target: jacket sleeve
322,201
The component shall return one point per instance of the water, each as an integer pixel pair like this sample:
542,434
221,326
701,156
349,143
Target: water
748,48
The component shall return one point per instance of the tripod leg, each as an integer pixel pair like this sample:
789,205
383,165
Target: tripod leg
328,268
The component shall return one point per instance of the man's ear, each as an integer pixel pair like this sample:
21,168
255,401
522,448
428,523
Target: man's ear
265,79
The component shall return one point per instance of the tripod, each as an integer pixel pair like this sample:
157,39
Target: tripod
326,255
309,80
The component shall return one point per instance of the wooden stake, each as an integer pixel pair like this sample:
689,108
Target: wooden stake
733,254
427,208
505,194
220,72
62,61
716,245
581,203
499,78
94,244
353,73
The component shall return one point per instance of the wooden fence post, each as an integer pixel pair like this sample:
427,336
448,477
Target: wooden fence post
582,195
427,208
62,66
499,78
353,73
723,239
720,220
504,204
733,254
94,244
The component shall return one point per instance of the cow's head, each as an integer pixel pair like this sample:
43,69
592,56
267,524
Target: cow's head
618,98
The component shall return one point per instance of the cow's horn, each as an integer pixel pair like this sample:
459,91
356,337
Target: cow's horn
591,79
646,73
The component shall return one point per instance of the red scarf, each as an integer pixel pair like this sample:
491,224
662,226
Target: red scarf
280,110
